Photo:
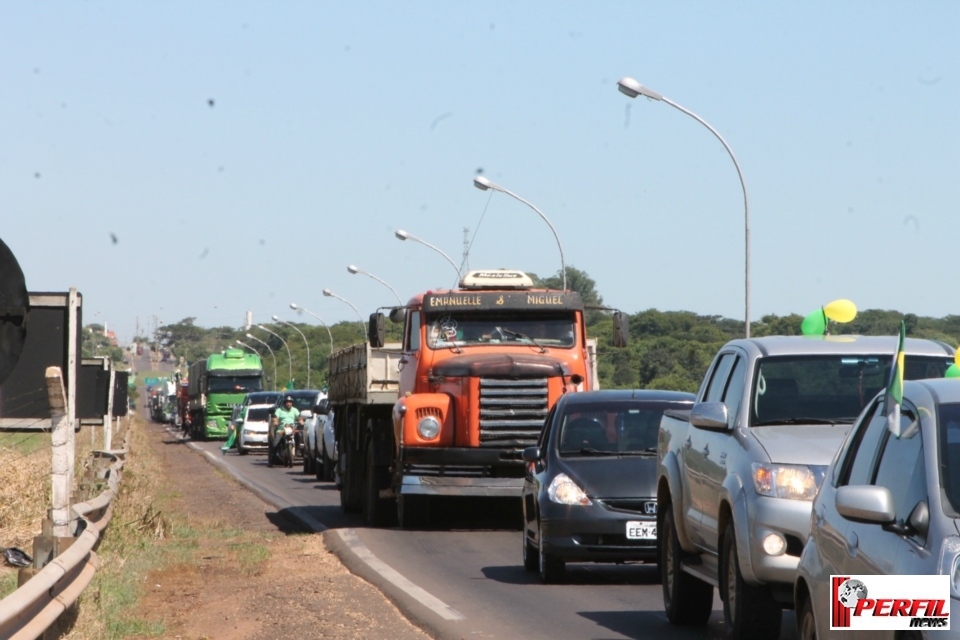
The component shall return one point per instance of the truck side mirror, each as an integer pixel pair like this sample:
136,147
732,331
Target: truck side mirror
398,314
376,332
621,329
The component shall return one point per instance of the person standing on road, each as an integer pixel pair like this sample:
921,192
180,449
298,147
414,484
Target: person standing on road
285,416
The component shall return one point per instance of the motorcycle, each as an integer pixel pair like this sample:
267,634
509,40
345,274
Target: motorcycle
287,446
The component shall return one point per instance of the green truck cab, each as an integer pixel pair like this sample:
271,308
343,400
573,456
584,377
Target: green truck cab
217,385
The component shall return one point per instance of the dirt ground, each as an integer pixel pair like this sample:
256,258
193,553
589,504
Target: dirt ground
270,583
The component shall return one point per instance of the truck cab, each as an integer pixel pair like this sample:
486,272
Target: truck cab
216,386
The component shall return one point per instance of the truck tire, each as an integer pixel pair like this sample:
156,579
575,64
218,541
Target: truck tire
749,613
351,489
686,600
413,512
376,510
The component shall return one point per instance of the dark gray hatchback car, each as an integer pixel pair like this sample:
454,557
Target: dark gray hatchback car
591,483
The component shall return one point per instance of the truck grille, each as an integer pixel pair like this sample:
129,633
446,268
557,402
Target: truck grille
512,411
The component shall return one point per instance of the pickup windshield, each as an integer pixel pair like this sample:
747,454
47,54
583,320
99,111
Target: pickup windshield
234,384
612,428
484,328
827,389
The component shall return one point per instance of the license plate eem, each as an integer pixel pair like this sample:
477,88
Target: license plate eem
637,530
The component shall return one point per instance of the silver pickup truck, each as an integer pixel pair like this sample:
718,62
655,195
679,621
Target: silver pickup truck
738,472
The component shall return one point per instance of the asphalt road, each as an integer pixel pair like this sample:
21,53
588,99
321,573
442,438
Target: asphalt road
471,560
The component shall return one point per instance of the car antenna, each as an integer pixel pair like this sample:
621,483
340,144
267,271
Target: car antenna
634,394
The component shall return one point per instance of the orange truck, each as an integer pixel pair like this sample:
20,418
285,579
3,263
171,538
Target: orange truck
448,411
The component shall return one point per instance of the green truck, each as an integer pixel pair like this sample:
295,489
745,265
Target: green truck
216,386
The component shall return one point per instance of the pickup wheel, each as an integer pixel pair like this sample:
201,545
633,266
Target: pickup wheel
807,624
687,600
749,612
325,472
376,510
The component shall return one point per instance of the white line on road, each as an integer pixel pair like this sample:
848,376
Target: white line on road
390,574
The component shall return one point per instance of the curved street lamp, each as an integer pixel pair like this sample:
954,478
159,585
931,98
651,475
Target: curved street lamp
289,358
295,307
331,294
355,270
632,88
403,235
272,354
480,182
292,326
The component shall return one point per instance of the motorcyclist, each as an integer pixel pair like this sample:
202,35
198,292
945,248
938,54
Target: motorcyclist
284,416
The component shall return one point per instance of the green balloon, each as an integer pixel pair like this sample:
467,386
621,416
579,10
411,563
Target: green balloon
814,324
953,371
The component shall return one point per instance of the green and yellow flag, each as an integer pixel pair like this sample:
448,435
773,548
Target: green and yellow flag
894,395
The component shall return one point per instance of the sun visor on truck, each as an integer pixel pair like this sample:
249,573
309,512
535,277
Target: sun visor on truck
233,373
508,301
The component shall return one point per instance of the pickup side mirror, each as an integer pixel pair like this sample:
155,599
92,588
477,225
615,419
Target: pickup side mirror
709,415
621,329
377,331
531,454
870,504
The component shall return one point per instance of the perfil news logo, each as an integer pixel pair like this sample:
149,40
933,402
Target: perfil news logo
879,603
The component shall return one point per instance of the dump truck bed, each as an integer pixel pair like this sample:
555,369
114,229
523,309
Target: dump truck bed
362,375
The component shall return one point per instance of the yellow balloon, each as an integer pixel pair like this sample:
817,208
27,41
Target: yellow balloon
841,310
956,357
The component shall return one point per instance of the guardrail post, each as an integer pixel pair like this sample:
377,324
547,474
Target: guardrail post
108,417
61,429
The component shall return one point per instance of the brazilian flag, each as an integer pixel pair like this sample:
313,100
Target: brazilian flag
894,396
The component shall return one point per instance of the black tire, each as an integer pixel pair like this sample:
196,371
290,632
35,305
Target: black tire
307,460
376,510
806,622
291,453
242,450
319,465
413,512
749,613
351,488
686,600
328,465
530,558
551,567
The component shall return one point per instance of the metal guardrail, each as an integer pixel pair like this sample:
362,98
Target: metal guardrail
27,612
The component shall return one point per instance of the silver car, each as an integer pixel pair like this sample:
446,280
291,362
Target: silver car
889,506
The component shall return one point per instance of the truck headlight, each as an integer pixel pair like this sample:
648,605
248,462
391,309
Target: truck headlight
428,428
794,482
563,490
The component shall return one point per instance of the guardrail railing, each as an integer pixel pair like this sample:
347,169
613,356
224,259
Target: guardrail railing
30,610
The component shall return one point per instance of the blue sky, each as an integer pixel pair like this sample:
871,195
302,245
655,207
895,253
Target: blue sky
333,124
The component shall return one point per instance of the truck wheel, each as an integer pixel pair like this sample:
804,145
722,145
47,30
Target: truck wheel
351,483
748,612
551,567
686,600
413,512
375,508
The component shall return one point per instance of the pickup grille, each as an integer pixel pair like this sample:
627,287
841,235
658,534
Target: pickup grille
512,411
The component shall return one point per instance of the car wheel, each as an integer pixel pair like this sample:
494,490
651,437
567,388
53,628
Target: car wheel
413,512
686,600
242,450
530,559
328,465
806,623
307,467
551,567
749,612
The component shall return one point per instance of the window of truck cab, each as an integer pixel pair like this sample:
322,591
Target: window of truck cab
454,329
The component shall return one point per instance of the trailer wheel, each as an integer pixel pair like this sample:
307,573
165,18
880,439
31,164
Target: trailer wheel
413,512
376,510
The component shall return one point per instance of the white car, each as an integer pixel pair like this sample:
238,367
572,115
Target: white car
253,425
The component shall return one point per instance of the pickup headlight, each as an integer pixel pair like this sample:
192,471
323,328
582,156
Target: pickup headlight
794,482
950,563
428,428
563,490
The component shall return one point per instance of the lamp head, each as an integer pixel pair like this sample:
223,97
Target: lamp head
480,182
293,305
276,318
401,234
632,88
352,269
250,335
327,292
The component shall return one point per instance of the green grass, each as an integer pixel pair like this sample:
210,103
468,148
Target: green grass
24,443
8,583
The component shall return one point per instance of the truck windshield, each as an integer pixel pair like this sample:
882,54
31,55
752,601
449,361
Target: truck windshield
485,328
827,389
612,428
234,384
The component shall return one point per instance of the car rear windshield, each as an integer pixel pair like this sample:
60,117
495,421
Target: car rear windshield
611,428
234,384
259,415
468,328
828,389
303,402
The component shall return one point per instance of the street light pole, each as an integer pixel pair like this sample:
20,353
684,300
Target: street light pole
272,354
403,235
480,182
292,326
632,88
289,358
294,306
331,294
355,270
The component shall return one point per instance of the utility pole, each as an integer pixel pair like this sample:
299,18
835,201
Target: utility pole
466,250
